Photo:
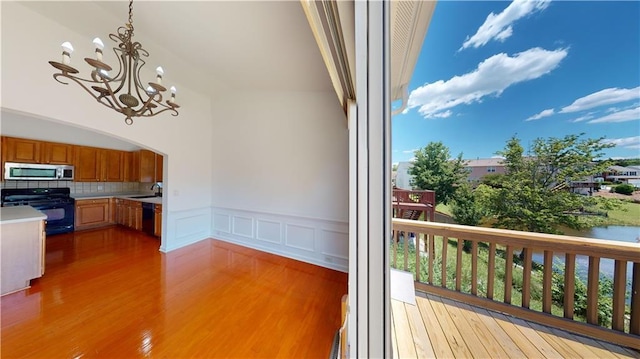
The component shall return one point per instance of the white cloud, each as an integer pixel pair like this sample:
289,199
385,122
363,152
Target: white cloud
442,114
545,113
622,116
491,77
498,27
583,118
411,151
604,97
626,142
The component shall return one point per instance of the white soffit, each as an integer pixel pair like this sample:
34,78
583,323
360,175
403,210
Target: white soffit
409,23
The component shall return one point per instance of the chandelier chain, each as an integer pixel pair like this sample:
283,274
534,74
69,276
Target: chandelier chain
130,14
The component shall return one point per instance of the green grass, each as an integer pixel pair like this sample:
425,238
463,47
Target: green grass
444,208
627,215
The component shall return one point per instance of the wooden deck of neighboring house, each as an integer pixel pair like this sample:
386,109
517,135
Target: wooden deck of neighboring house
435,327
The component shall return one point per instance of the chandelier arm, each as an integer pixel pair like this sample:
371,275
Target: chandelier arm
97,98
167,108
72,77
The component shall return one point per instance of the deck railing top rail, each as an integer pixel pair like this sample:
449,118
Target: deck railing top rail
626,251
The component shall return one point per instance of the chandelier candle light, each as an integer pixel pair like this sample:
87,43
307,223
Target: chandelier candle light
134,100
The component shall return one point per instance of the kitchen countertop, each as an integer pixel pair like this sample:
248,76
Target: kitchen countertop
20,214
154,200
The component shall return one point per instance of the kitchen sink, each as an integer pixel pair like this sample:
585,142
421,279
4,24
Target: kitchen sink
139,197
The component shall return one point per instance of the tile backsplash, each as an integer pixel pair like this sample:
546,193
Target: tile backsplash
79,187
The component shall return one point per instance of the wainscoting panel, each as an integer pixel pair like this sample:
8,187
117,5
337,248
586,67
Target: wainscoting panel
269,231
300,237
317,241
222,222
186,227
243,226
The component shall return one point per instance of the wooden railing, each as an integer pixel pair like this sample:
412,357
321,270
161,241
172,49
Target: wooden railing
496,261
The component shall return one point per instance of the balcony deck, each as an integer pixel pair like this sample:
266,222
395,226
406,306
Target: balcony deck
437,327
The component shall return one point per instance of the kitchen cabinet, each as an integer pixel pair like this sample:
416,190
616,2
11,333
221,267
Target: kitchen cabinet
98,165
113,166
151,166
159,168
93,213
157,220
131,166
57,153
21,150
147,166
129,213
22,248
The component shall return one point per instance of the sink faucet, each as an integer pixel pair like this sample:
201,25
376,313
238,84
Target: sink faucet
159,186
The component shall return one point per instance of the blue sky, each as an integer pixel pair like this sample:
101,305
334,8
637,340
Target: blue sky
489,70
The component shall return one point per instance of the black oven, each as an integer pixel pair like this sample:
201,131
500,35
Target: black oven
56,203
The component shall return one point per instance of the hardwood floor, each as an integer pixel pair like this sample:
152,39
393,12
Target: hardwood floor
110,293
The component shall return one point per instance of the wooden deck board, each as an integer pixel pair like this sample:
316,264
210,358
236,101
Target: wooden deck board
458,330
469,336
453,335
406,347
479,330
436,334
422,342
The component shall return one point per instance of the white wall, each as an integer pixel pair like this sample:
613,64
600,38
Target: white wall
281,174
30,40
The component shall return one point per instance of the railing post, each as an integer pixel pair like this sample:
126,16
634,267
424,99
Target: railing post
593,281
526,278
474,267
619,289
569,284
634,325
429,243
459,265
491,270
547,278
445,245
508,274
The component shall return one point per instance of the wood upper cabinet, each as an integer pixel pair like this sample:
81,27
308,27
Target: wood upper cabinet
147,166
92,213
21,150
88,164
113,166
151,166
131,166
98,165
159,168
57,153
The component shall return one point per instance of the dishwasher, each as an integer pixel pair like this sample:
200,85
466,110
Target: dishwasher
147,218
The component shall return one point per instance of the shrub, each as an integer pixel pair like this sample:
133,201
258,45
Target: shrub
625,189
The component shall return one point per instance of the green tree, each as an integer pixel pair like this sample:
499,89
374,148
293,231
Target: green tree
465,209
534,196
433,169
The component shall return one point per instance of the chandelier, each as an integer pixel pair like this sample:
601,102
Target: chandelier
123,92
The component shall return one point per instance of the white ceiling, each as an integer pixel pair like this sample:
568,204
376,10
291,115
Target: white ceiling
261,45
208,46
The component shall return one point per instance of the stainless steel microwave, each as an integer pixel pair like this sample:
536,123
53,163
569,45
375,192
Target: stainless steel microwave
37,172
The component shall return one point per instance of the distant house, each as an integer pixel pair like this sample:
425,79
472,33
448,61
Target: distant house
630,174
481,167
477,169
